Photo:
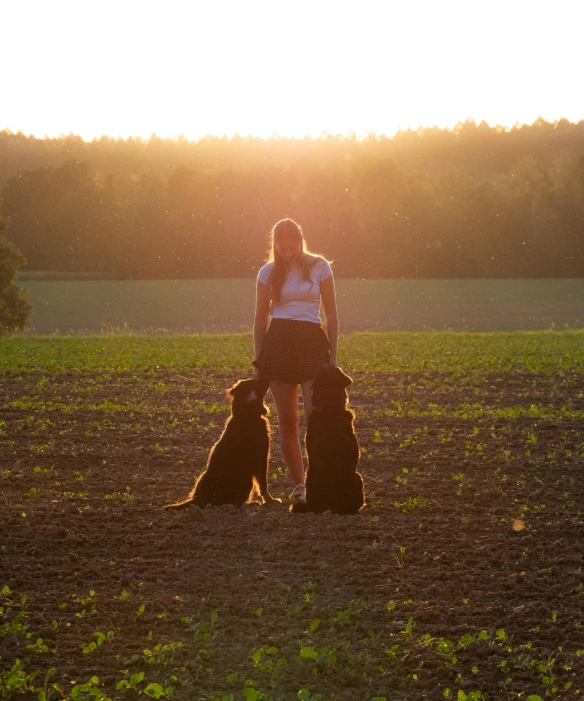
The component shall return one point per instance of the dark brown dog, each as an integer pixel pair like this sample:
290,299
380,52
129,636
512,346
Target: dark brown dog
239,459
332,480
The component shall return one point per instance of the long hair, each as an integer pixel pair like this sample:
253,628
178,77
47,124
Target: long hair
306,261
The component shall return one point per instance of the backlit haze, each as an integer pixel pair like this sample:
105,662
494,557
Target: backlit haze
129,68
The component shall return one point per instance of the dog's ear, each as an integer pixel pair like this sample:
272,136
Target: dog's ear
233,390
344,380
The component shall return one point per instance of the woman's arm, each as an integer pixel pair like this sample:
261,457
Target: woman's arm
329,304
260,323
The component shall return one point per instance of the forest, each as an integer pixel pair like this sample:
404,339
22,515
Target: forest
473,201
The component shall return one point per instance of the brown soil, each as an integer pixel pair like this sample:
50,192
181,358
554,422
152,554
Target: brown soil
379,596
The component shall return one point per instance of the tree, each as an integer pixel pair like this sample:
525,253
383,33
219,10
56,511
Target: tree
14,305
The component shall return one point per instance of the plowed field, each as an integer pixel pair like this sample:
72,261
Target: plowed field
462,577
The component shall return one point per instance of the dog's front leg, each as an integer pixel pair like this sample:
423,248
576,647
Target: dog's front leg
261,478
262,483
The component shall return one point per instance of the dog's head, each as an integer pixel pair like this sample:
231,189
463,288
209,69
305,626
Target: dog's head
329,388
247,396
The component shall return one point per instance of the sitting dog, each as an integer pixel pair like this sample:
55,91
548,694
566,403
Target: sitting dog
332,480
239,459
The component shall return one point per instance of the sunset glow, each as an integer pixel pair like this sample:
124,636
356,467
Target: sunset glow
133,69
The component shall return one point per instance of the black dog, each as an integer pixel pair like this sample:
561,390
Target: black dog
332,480
239,459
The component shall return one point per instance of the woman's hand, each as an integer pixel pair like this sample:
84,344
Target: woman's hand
256,373
329,305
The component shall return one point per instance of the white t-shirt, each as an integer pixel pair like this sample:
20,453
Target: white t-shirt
299,299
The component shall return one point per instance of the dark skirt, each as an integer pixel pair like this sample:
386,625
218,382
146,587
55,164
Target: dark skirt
293,351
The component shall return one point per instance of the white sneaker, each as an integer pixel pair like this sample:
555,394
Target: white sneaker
298,494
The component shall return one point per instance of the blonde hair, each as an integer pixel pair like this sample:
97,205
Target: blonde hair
307,260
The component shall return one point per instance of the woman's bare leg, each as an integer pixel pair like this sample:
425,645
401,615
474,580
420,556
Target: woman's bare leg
286,400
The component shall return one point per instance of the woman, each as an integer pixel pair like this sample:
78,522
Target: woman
290,288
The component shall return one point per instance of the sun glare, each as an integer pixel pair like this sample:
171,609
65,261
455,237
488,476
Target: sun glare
259,68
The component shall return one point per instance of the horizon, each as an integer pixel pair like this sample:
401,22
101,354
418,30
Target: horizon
264,70
349,135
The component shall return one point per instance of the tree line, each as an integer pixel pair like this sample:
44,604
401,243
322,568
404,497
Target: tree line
475,201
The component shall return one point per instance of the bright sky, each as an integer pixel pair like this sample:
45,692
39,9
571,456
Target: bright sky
170,67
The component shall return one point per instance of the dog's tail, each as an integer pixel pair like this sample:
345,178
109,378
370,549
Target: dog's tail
299,507
181,504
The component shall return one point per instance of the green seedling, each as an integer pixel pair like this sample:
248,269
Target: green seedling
250,693
46,692
161,654
132,682
98,639
408,632
90,690
16,681
325,657
201,631
399,557
305,695
344,616
471,696
155,691
314,624
410,504
264,659
11,621
309,590
38,646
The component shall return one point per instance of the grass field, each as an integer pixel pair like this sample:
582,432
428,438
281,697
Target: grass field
200,306
462,577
